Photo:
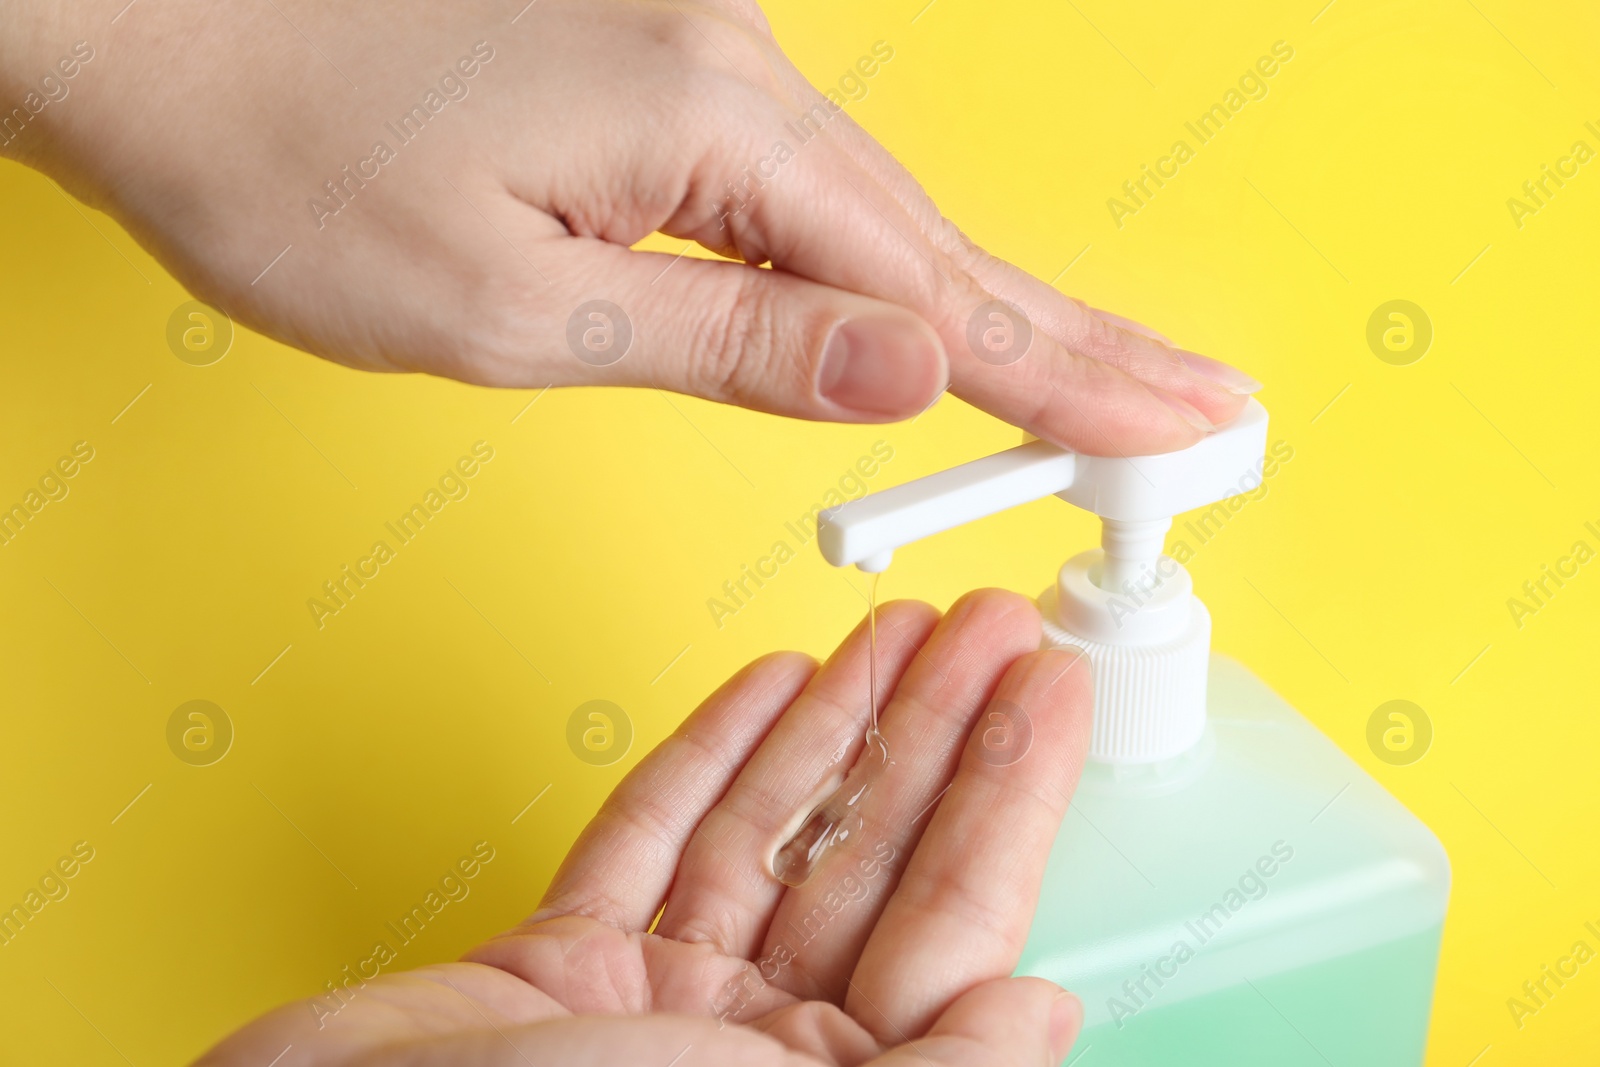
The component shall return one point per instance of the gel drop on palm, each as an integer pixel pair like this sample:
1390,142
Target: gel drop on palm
1229,887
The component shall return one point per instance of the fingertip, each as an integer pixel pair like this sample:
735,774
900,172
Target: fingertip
1206,399
904,626
995,611
908,610
785,663
1073,679
1055,688
1191,415
881,366
770,682
1088,406
1066,1020
907,603
910,621
1066,670
1229,377
1131,325
1016,1018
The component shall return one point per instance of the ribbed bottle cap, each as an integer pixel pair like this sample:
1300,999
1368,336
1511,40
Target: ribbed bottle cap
1149,644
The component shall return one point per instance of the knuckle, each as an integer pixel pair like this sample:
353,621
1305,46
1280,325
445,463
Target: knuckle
708,748
761,809
991,608
734,338
704,929
716,48
815,1020
972,908
1097,336
955,243
651,822
777,669
490,339
1047,409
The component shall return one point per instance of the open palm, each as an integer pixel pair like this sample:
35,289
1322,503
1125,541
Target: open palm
665,939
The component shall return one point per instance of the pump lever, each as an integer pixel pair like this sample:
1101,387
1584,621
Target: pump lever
1121,489
867,531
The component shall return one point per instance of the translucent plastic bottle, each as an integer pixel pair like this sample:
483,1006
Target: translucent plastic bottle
1228,886
1259,899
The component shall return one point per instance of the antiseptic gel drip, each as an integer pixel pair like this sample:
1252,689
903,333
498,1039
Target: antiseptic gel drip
1229,887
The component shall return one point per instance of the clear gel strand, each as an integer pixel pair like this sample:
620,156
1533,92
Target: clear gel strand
838,818
872,657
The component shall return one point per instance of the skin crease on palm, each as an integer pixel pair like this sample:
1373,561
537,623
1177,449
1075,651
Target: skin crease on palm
205,126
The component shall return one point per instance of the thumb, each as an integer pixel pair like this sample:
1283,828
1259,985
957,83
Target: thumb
1007,1020
762,339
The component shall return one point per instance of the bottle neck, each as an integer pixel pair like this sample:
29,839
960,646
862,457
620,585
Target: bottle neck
1131,551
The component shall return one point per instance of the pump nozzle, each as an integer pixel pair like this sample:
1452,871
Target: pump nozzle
1127,605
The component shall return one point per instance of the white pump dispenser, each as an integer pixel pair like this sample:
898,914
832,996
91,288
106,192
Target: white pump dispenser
1130,608
1200,773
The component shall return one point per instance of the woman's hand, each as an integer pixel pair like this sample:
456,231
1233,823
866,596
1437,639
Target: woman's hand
454,187
665,940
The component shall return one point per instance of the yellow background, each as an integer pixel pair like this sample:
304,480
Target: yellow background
424,718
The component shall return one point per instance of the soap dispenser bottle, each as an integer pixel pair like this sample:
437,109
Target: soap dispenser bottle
1228,887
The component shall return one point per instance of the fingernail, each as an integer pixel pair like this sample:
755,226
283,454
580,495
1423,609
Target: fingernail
1066,1018
882,366
1230,378
1185,411
1077,660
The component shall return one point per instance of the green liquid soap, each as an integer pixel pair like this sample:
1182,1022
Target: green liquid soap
1259,899
838,818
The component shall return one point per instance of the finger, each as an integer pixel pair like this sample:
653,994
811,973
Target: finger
962,909
1207,390
820,927
862,319
1132,326
1039,301
1230,378
823,218
1003,1022
770,339
725,893
762,339
1107,338
619,869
